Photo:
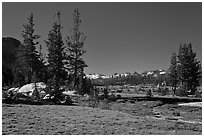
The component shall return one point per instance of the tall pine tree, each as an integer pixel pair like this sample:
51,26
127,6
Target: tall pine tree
173,73
27,62
75,50
189,68
55,57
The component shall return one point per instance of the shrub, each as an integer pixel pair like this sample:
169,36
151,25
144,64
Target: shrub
149,93
118,96
4,94
67,100
198,94
101,97
112,98
105,93
119,90
165,92
181,92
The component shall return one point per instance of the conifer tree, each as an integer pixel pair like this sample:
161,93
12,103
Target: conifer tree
55,57
189,67
173,73
27,56
75,50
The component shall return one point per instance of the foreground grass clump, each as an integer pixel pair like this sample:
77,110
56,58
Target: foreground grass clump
57,119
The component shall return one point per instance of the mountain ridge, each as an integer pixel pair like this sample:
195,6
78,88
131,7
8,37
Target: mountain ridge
154,73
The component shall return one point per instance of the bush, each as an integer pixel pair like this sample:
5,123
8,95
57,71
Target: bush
101,97
149,93
119,90
118,96
67,100
181,92
105,93
198,94
165,92
112,98
4,94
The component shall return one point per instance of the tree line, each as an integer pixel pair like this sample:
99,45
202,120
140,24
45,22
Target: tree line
63,65
132,80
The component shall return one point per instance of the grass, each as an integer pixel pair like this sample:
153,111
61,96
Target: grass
122,118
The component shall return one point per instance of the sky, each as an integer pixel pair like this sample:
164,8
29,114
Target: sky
121,36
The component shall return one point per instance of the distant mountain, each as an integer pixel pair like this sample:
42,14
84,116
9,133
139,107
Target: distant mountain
154,73
96,76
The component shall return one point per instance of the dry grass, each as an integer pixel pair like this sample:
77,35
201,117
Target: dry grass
53,120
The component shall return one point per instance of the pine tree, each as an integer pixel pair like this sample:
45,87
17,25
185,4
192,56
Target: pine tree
189,68
55,57
31,55
75,50
173,73
27,62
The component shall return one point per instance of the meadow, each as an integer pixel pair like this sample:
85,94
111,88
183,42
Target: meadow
120,117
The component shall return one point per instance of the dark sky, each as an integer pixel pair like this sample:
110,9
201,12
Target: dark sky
121,37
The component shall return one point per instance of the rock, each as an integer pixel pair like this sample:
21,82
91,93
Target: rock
87,97
14,90
28,89
48,96
70,93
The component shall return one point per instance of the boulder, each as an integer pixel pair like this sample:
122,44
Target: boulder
10,92
70,93
48,96
87,97
28,89
13,90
